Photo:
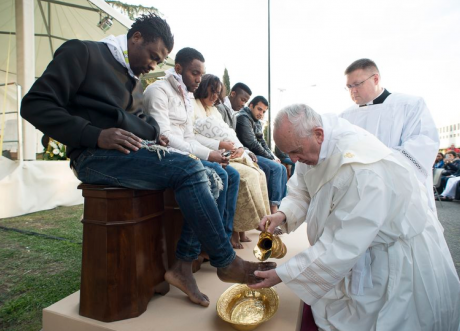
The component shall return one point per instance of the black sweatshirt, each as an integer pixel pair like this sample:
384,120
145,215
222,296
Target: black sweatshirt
82,91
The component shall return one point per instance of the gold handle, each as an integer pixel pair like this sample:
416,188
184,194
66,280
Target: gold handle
267,224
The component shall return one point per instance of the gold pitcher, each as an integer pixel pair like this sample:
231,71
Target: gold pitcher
269,245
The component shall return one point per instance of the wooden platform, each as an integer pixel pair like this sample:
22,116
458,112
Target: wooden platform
175,312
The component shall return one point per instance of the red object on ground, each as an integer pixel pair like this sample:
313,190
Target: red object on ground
308,322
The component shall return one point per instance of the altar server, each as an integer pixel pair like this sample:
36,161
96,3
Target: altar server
402,122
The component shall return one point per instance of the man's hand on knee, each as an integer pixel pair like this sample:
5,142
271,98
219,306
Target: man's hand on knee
119,139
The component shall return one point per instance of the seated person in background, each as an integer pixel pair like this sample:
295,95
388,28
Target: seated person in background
250,133
451,166
439,162
284,158
238,97
168,102
99,117
236,100
211,131
451,187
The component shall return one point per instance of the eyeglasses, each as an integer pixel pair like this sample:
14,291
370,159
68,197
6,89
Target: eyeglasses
349,87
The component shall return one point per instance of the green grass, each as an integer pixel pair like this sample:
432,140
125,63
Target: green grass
36,272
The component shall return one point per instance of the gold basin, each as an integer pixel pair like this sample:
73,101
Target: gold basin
245,308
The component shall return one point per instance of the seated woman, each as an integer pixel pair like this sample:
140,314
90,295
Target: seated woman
439,162
212,132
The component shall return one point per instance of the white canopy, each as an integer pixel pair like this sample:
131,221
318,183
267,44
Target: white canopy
55,23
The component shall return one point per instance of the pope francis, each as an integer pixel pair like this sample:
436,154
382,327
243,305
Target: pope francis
378,258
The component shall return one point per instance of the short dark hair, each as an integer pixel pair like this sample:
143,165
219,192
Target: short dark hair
258,99
206,81
151,26
241,87
186,55
441,154
363,64
452,152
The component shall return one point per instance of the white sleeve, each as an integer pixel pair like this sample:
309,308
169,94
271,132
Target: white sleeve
208,142
296,203
156,103
360,207
231,132
419,139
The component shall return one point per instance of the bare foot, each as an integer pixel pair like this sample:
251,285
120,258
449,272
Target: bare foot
273,209
278,231
205,256
180,276
196,265
235,241
244,238
241,271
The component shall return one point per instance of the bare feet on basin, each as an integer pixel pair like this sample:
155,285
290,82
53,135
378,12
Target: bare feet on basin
244,238
180,276
241,271
235,241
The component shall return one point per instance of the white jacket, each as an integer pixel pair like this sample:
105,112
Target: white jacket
163,101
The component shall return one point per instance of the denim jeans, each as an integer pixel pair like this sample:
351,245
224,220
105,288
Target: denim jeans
276,179
226,203
287,160
186,176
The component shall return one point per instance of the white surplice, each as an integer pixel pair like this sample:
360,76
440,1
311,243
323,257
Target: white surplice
363,198
404,123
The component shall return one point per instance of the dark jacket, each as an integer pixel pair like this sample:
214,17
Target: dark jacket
250,133
83,91
280,155
452,168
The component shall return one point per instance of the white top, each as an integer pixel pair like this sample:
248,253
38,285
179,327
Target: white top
216,124
403,123
163,101
364,203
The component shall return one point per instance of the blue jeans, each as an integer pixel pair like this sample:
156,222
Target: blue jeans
276,179
226,203
287,160
144,170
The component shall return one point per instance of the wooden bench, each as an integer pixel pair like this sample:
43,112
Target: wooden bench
129,240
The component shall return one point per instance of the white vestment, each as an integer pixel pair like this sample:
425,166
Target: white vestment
404,123
364,199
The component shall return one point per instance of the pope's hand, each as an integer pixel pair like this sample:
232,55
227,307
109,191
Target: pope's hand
275,220
270,278
119,139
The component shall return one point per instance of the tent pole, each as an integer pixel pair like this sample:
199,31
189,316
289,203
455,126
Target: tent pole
25,53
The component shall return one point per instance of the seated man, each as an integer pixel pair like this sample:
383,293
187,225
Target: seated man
232,104
88,98
284,158
168,102
250,133
378,258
